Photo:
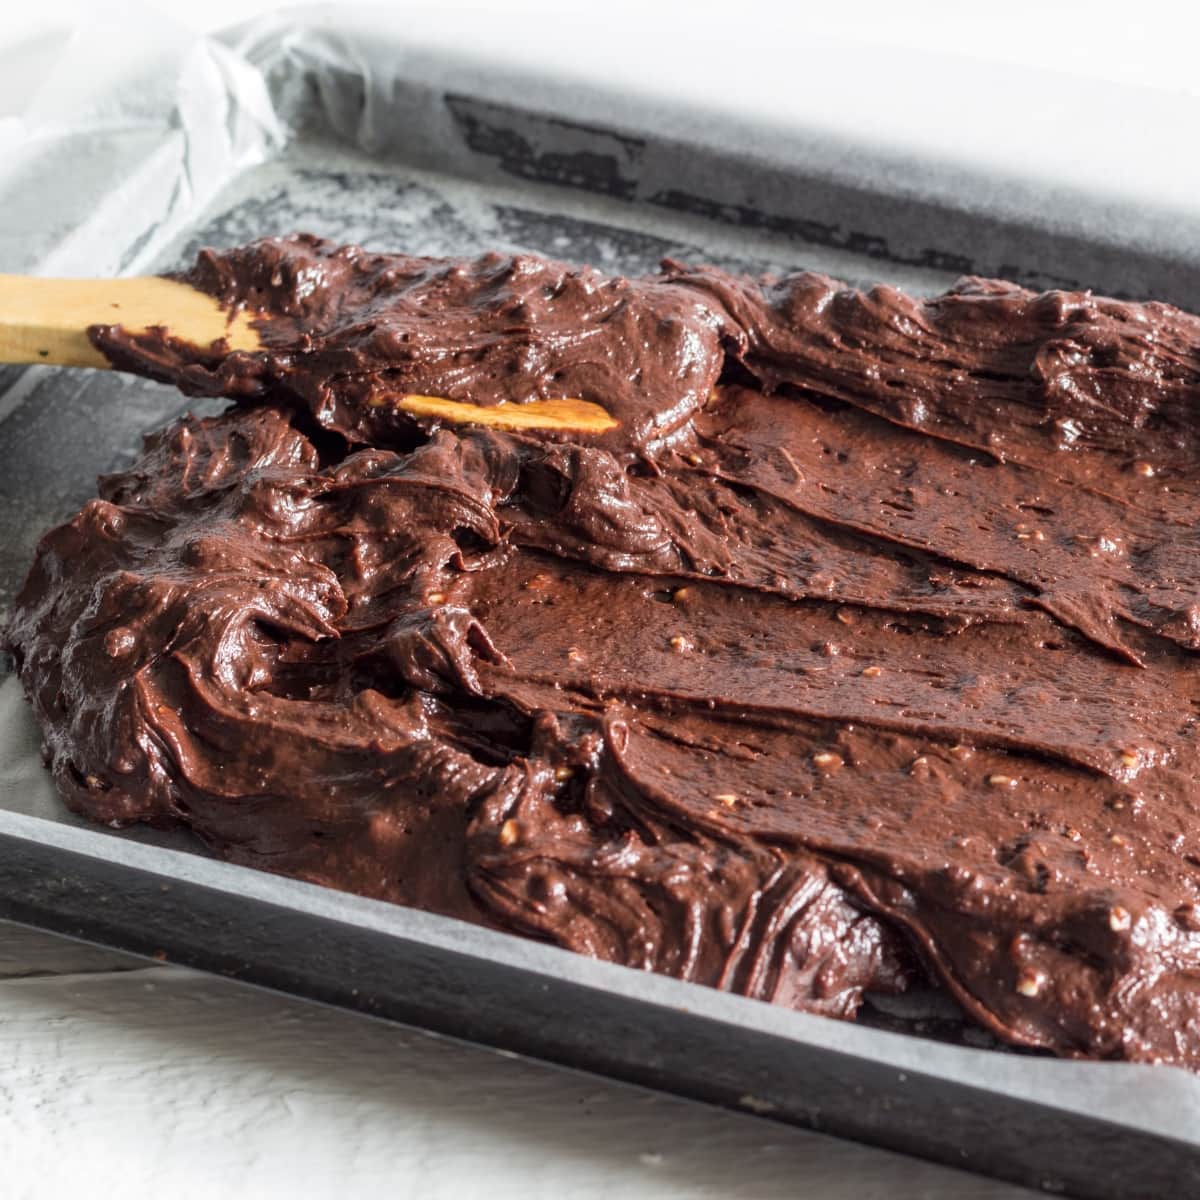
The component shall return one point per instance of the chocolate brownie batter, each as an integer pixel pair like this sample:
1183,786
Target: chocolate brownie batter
864,648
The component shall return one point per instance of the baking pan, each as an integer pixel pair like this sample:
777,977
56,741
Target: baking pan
401,143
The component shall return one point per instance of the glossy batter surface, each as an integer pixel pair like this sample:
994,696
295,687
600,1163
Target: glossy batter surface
863,650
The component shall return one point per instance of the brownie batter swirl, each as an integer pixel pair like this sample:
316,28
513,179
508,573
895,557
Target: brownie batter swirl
863,649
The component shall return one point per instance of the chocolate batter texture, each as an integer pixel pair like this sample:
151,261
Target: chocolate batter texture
863,650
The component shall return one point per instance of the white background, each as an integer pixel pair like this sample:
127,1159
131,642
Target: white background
1152,43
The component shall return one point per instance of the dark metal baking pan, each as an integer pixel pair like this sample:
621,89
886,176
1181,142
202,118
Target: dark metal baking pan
404,145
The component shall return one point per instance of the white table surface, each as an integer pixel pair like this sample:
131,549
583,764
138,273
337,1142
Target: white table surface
122,1078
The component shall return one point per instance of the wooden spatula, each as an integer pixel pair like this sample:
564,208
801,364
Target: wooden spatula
46,321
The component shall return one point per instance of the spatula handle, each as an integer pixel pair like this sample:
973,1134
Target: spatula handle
46,320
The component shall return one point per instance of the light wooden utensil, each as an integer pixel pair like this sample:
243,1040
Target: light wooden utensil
46,321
